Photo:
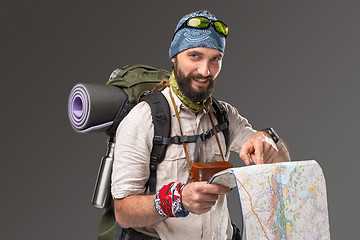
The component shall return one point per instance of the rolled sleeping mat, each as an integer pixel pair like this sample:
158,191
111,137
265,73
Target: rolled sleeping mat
93,107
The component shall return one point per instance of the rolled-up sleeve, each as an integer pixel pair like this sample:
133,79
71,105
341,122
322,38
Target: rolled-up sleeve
132,152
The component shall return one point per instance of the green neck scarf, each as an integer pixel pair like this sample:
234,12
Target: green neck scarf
193,106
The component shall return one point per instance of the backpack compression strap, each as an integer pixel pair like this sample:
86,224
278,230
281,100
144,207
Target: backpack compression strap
160,112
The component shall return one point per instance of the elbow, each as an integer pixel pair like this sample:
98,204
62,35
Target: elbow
122,222
120,217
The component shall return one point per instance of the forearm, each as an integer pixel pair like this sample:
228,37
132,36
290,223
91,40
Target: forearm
283,152
136,211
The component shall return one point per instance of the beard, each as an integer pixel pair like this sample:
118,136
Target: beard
185,85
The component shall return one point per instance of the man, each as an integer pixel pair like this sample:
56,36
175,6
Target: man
196,210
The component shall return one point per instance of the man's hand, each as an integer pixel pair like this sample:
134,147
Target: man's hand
262,149
199,197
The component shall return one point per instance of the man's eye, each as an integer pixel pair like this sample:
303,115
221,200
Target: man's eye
217,59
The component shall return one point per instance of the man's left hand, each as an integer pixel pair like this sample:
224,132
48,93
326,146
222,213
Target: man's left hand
261,148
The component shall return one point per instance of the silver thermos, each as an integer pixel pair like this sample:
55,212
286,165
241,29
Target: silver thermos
102,195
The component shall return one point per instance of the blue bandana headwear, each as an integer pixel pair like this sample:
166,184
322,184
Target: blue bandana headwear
190,37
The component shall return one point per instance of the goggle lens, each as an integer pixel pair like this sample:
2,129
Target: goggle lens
202,23
198,22
221,28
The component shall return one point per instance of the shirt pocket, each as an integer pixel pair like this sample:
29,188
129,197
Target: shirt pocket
216,150
174,166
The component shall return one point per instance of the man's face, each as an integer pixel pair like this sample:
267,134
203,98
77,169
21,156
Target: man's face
195,70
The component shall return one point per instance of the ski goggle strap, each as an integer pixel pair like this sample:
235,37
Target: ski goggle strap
204,23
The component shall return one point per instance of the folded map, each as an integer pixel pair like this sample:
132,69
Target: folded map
281,200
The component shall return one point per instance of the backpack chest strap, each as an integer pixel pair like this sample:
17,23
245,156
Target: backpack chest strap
198,138
191,138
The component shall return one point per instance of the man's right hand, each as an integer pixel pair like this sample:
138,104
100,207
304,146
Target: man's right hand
199,197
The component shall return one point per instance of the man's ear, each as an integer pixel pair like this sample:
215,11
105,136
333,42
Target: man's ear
173,59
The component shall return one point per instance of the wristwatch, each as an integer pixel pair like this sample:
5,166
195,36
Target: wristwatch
272,134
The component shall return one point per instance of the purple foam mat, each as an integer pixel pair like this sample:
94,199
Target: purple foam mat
93,107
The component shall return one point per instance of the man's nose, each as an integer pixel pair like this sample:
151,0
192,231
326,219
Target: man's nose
204,69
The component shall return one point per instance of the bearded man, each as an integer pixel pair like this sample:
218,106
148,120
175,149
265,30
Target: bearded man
197,210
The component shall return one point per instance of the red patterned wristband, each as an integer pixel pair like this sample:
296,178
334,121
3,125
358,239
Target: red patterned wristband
168,200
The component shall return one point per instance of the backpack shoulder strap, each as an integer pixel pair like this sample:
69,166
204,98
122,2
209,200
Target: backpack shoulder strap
160,111
123,111
221,116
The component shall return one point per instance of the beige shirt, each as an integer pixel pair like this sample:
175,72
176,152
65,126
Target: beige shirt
131,165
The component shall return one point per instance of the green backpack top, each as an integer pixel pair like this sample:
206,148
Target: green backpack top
134,81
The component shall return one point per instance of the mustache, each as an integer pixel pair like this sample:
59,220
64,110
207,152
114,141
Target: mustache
210,77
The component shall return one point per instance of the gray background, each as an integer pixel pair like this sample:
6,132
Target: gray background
293,65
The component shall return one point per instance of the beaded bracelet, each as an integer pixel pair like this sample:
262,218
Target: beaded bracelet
168,200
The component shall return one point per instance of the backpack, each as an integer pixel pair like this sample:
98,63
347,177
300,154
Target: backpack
143,83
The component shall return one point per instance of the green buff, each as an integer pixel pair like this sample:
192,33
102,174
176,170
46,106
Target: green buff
193,106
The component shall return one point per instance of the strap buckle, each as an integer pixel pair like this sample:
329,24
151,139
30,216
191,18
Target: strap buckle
203,136
158,140
153,163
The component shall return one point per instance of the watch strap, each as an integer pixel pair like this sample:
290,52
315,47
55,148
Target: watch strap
272,134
